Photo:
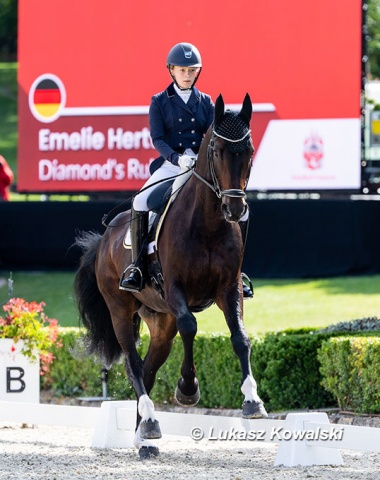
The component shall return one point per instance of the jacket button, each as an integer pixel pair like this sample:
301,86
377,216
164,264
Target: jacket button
180,119
180,144
193,119
192,131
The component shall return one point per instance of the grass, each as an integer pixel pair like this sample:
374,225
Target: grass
278,304
53,288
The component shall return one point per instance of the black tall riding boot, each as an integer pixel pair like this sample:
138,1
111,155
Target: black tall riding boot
139,230
247,290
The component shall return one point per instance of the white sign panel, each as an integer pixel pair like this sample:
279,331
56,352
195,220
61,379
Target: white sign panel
19,377
308,155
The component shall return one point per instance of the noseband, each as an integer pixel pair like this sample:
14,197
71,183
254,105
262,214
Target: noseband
215,186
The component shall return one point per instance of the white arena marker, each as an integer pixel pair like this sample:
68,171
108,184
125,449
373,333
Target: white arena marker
108,433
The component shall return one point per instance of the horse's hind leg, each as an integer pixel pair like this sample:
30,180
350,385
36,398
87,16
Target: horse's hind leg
187,392
231,305
123,307
162,330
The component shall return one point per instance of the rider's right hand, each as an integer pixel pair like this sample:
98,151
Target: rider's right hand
186,162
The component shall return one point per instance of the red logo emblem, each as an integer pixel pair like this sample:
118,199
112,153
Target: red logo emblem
313,151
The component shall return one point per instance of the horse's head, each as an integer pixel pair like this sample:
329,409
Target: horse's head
230,154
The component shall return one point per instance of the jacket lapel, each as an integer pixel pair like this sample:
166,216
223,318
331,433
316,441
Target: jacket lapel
191,106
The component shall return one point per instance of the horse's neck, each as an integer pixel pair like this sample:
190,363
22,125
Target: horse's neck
203,206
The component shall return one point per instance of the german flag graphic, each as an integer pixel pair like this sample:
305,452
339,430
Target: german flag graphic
47,98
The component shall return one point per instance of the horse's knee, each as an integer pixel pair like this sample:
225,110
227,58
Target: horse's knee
187,325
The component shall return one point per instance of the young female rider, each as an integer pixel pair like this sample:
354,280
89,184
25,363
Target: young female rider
179,117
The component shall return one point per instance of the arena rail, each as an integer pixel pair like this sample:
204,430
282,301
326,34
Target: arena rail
304,438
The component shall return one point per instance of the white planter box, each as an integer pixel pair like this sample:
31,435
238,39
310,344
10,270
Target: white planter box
19,377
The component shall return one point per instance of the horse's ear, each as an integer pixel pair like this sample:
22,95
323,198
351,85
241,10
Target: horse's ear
246,110
219,109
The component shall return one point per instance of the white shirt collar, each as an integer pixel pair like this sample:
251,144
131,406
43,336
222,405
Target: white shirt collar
184,94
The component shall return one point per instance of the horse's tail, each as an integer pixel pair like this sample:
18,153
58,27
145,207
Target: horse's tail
93,311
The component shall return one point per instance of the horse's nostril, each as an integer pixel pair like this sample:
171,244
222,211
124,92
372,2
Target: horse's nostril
226,211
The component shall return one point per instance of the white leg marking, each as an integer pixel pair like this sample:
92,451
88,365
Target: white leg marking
146,408
249,389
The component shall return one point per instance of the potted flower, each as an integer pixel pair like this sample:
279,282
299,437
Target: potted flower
28,330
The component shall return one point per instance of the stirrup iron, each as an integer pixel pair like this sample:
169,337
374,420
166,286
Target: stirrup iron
246,280
130,270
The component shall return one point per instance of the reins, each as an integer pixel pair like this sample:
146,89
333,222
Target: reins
106,216
215,186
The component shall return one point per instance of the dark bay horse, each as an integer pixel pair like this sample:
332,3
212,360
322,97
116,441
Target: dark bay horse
200,248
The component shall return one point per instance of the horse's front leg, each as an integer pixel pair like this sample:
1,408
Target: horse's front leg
231,303
187,391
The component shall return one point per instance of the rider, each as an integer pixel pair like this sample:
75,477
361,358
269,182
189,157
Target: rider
179,117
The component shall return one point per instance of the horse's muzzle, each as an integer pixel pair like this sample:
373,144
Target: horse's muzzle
234,209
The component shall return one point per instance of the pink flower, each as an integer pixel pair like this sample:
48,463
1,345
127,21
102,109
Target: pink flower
28,322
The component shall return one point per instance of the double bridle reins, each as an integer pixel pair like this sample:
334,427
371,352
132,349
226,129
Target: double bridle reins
215,186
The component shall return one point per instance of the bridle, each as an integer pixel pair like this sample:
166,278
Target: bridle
215,186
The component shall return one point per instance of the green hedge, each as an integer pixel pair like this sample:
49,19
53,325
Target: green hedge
294,369
350,367
285,366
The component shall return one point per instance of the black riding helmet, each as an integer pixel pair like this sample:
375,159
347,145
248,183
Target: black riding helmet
184,55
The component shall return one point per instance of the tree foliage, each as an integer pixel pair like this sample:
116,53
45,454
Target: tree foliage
373,41
8,27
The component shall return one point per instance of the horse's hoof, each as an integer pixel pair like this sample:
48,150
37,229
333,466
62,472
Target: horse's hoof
148,452
254,410
150,429
187,400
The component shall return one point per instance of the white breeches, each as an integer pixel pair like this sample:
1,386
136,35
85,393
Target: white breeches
166,170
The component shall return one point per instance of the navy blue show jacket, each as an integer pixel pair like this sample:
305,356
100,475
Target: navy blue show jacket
176,125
